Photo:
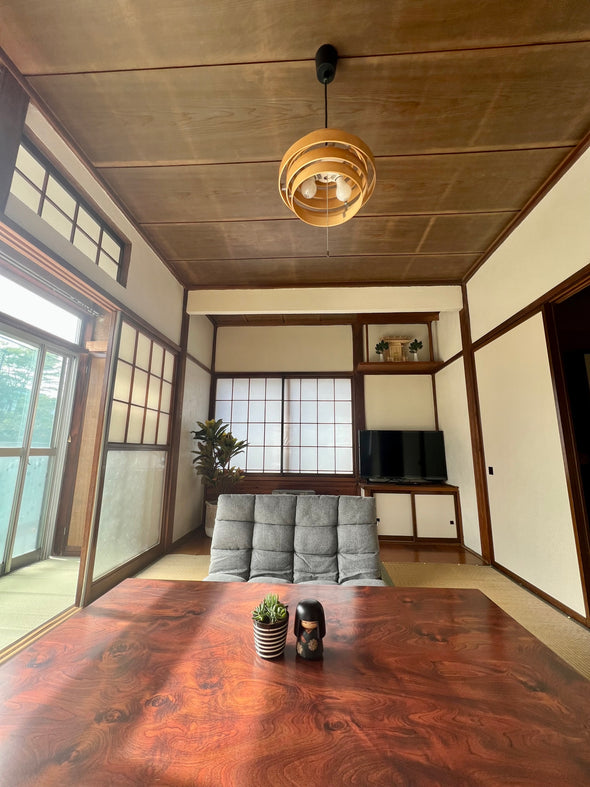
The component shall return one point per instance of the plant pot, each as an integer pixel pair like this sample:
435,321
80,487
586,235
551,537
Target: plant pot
210,514
413,356
270,638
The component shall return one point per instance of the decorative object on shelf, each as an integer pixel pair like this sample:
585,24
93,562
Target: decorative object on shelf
395,344
380,349
271,621
216,447
327,175
413,348
310,629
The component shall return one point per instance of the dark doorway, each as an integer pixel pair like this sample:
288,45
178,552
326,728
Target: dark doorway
572,333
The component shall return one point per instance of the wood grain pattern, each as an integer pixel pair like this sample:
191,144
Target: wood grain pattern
158,684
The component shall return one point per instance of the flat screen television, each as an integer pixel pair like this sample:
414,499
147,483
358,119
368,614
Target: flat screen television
402,456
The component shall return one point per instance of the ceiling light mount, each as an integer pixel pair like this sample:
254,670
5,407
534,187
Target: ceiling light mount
327,176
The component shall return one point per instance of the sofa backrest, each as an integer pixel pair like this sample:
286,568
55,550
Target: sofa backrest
295,538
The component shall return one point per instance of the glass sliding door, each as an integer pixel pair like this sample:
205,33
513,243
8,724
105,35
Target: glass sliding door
35,402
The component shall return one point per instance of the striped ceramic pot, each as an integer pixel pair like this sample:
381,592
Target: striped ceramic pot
270,638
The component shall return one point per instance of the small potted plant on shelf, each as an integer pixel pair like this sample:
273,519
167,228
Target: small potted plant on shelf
380,348
216,447
413,348
271,621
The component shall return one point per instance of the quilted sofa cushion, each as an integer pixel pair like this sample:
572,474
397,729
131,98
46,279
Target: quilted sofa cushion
232,542
272,540
358,545
316,540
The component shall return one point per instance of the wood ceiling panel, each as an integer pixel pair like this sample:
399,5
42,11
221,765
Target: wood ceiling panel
407,184
465,233
290,238
456,101
329,271
206,192
111,35
462,182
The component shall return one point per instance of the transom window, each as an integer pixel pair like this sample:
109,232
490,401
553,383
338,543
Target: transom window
37,185
24,304
292,425
142,397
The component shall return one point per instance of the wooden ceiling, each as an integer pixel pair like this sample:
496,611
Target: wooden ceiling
185,109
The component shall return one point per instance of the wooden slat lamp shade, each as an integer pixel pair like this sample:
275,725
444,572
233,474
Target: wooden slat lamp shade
325,155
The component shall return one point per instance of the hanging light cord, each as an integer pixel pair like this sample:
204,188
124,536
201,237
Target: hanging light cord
327,187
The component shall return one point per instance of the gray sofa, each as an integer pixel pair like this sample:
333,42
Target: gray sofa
320,539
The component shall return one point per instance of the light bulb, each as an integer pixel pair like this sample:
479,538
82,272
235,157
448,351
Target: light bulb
308,188
343,190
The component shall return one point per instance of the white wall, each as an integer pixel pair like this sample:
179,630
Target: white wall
152,292
447,336
200,340
531,518
453,418
189,491
291,348
325,300
399,402
552,243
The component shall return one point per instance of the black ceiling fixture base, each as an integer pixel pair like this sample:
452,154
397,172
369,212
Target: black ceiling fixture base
326,59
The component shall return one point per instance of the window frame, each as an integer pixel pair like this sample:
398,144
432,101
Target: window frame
82,201
284,376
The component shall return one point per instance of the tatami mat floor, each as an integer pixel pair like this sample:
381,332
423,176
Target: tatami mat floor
32,595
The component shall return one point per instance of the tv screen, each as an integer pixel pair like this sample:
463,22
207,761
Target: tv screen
395,455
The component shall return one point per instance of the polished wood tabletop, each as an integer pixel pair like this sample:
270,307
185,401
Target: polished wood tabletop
157,683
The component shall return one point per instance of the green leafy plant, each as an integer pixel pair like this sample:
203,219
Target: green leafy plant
381,346
414,346
270,610
216,447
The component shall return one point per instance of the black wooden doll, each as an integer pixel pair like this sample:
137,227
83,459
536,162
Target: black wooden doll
310,628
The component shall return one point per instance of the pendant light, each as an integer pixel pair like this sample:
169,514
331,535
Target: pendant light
327,176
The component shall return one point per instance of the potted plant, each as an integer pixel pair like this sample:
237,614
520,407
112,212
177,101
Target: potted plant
271,621
413,348
380,348
216,447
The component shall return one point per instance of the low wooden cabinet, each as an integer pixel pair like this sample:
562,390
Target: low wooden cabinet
417,512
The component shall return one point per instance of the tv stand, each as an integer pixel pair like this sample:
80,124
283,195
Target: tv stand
416,511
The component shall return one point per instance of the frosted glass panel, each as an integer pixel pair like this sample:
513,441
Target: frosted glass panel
63,200
135,428
123,381
127,343
131,507
142,357
157,359
57,220
25,192
150,429
29,520
163,429
118,422
168,367
30,167
8,471
140,381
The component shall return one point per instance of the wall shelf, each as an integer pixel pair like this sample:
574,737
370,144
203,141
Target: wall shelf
399,367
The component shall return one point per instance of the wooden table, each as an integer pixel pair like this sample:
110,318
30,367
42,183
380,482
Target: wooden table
157,683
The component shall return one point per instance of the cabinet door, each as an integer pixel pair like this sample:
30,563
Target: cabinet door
436,516
394,512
